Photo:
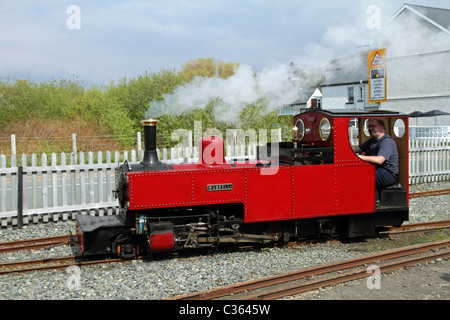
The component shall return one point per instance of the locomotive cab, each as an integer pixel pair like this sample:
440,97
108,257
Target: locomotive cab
396,126
314,141
339,182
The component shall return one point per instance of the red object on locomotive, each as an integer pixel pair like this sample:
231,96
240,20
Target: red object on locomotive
313,186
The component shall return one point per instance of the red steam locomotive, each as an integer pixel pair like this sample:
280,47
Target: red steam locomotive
313,186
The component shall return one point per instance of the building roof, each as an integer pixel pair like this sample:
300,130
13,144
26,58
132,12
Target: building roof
353,112
438,17
348,70
304,96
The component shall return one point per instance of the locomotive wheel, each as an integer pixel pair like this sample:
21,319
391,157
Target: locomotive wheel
125,246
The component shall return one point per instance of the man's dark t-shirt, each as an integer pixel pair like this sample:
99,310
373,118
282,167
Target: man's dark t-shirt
386,147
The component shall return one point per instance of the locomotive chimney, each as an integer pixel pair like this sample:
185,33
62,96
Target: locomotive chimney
150,155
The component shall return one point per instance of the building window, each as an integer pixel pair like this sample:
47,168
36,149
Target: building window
360,94
350,95
285,111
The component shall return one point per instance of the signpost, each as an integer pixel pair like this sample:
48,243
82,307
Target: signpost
377,75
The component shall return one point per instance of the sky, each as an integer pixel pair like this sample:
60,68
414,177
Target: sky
101,41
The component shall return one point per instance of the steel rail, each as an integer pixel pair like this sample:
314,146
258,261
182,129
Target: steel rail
413,231
47,264
423,224
429,193
38,243
302,274
417,228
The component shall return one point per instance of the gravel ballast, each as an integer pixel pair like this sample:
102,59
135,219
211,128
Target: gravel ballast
162,277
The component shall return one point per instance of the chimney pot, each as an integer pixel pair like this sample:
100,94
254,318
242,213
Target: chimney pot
150,154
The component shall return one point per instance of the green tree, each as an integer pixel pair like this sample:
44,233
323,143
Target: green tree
207,67
135,94
23,99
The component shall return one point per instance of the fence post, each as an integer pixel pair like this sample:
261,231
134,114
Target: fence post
139,142
74,143
74,147
20,197
13,144
3,183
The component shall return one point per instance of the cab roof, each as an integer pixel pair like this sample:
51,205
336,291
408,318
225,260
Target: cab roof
350,112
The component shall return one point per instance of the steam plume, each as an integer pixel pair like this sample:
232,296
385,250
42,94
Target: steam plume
273,86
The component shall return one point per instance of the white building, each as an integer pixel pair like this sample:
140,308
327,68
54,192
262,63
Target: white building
309,98
347,86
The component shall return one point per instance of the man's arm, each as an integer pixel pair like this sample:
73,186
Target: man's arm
377,160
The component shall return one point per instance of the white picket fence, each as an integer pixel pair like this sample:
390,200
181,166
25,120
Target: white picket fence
79,183
429,160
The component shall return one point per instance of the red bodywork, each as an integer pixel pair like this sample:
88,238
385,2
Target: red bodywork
266,193
162,241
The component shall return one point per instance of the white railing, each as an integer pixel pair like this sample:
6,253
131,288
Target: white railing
429,160
84,183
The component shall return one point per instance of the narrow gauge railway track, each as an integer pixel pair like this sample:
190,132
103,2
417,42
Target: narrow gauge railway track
283,285
429,193
46,263
412,228
64,262
49,264
40,243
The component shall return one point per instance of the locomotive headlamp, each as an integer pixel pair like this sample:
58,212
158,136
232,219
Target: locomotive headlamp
294,133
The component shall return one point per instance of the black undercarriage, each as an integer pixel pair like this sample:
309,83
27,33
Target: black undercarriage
143,232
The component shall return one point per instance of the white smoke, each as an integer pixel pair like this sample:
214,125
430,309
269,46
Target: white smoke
272,86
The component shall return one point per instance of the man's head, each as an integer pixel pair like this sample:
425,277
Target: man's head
376,128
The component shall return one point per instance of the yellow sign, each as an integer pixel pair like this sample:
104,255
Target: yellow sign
377,75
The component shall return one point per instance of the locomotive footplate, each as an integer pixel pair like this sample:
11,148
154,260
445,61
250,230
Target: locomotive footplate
95,233
90,223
